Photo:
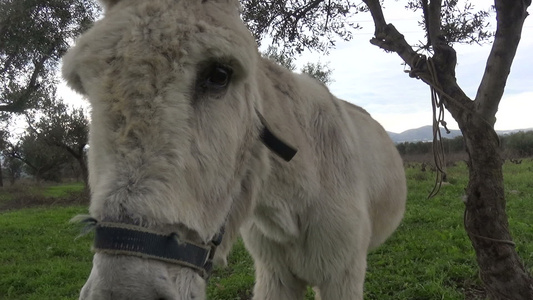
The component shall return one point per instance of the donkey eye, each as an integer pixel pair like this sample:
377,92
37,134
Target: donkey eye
218,77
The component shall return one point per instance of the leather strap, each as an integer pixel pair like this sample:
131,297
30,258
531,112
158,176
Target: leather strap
114,238
274,143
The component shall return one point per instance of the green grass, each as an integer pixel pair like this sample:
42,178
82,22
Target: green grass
5,195
25,194
39,257
63,190
429,257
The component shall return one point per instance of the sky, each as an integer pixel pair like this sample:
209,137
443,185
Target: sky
369,77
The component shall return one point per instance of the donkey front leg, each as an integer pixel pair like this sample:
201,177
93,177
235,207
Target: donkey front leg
344,284
276,285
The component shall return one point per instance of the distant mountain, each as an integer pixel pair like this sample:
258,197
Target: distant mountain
425,134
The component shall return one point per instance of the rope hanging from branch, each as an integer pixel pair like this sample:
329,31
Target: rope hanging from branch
438,117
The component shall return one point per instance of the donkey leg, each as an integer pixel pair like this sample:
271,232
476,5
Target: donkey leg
344,284
277,285
317,293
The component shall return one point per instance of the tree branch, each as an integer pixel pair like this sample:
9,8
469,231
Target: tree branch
7,63
302,11
328,8
388,38
510,19
298,15
15,154
12,107
433,22
19,104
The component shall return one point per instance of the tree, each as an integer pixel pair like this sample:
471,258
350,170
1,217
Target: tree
300,24
283,58
40,160
65,128
13,168
521,143
319,71
444,23
4,134
33,36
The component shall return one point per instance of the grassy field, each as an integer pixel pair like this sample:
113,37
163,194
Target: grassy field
429,257
25,194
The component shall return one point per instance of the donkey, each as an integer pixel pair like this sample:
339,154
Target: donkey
196,139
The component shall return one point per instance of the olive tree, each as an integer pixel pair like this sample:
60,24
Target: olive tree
33,36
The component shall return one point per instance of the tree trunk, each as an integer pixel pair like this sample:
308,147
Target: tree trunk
485,218
83,167
1,176
80,158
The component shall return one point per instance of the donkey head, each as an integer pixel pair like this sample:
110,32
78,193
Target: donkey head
173,123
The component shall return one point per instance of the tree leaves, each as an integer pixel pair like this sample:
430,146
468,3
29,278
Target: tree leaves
296,25
33,36
460,22
319,71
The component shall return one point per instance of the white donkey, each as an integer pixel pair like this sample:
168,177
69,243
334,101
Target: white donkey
179,98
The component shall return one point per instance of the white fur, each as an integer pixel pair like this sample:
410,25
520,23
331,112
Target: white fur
163,154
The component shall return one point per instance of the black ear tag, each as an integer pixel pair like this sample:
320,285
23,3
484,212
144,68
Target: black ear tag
274,143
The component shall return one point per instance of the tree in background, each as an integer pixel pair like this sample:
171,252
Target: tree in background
301,24
63,128
40,160
33,36
13,168
320,71
4,134
312,24
520,143
281,57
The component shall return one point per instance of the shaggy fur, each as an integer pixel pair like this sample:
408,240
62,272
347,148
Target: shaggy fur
169,154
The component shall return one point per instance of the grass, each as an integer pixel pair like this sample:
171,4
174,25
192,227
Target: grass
63,190
38,254
429,257
24,194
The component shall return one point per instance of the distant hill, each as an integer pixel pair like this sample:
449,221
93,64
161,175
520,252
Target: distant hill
425,134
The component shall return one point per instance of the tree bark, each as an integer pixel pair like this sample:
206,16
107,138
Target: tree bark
83,167
486,222
485,217
1,176
79,155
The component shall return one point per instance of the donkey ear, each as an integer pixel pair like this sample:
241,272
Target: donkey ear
71,70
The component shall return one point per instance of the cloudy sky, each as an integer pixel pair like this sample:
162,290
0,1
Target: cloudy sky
369,77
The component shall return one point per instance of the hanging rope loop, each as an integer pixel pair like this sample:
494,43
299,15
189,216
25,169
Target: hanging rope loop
438,116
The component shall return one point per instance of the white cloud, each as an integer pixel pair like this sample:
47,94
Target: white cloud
515,112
